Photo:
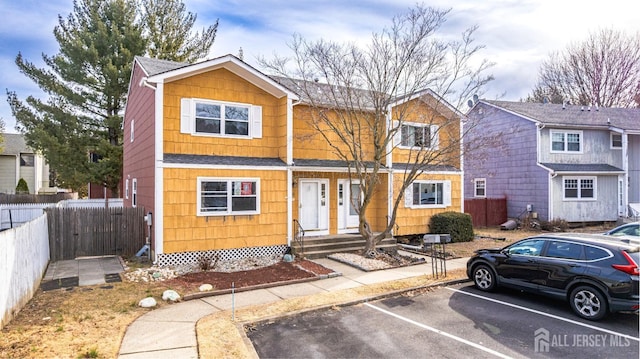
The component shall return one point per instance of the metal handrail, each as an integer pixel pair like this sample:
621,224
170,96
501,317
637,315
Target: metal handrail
298,235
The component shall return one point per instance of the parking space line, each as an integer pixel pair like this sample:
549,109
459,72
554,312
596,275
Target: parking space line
438,331
546,314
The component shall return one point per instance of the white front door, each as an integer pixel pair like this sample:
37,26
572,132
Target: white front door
348,202
313,206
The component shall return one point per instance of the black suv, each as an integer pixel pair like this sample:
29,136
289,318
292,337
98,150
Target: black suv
597,274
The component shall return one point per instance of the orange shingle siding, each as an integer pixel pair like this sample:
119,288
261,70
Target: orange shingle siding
185,231
223,85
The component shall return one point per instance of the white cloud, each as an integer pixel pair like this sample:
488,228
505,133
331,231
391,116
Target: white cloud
518,34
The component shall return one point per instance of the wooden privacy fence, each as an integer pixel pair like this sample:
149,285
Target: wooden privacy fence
486,212
78,232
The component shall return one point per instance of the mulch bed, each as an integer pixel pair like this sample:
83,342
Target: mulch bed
280,272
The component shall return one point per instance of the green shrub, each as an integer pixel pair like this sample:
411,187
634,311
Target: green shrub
458,225
22,187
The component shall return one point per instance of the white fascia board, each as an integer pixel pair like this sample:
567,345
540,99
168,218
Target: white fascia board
232,64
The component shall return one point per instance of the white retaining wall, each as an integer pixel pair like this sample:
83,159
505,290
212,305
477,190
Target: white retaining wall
24,256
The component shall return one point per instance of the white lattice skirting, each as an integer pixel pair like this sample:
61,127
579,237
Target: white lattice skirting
182,258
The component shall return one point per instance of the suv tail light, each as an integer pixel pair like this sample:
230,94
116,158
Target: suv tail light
630,268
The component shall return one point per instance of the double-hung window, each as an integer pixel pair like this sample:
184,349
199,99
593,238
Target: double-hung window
616,140
419,135
566,141
480,187
235,196
217,118
579,188
428,194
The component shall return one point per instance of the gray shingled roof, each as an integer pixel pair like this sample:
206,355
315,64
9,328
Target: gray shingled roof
582,168
554,114
324,163
222,160
14,144
156,66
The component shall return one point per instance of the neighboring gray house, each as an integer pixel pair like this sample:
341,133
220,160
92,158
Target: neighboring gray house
576,163
17,161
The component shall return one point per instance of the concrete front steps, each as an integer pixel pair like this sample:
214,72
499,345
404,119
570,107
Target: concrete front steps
322,246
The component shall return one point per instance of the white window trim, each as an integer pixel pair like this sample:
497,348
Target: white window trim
134,192
229,212
475,187
126,189
611,134
188,118
132,130
434,130
566,144
578,178
446,193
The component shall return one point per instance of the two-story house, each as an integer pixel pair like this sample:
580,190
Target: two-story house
225,159
553,161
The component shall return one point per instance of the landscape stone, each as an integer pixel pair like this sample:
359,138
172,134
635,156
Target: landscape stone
206,287
171,295
148,302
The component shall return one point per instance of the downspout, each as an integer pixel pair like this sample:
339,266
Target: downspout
290,164
552,175
389,163
145,83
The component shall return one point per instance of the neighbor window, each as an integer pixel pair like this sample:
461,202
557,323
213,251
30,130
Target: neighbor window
134,192
217,118
480,185
419,135
579,187
26,160
228,196
566,141
132,132
126,189
616,140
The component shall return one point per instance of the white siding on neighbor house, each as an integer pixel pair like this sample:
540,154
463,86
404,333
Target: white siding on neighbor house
596,148
24,256
8,179
603,208
634,168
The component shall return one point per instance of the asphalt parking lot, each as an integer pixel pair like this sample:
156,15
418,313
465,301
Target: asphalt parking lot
449,322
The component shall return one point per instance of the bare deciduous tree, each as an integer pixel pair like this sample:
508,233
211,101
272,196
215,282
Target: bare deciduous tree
351,91
604,70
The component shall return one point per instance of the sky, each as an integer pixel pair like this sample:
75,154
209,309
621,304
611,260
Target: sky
517,34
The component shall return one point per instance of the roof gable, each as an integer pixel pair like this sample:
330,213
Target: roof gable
162,71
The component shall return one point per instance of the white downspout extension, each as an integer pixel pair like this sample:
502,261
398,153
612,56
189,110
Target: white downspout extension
289,171
158,215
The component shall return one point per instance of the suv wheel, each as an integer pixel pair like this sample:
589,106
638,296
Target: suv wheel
483,278
588,303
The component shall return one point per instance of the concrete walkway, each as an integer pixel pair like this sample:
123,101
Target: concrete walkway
170,332
81,272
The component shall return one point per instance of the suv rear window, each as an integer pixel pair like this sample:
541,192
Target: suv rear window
594,253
